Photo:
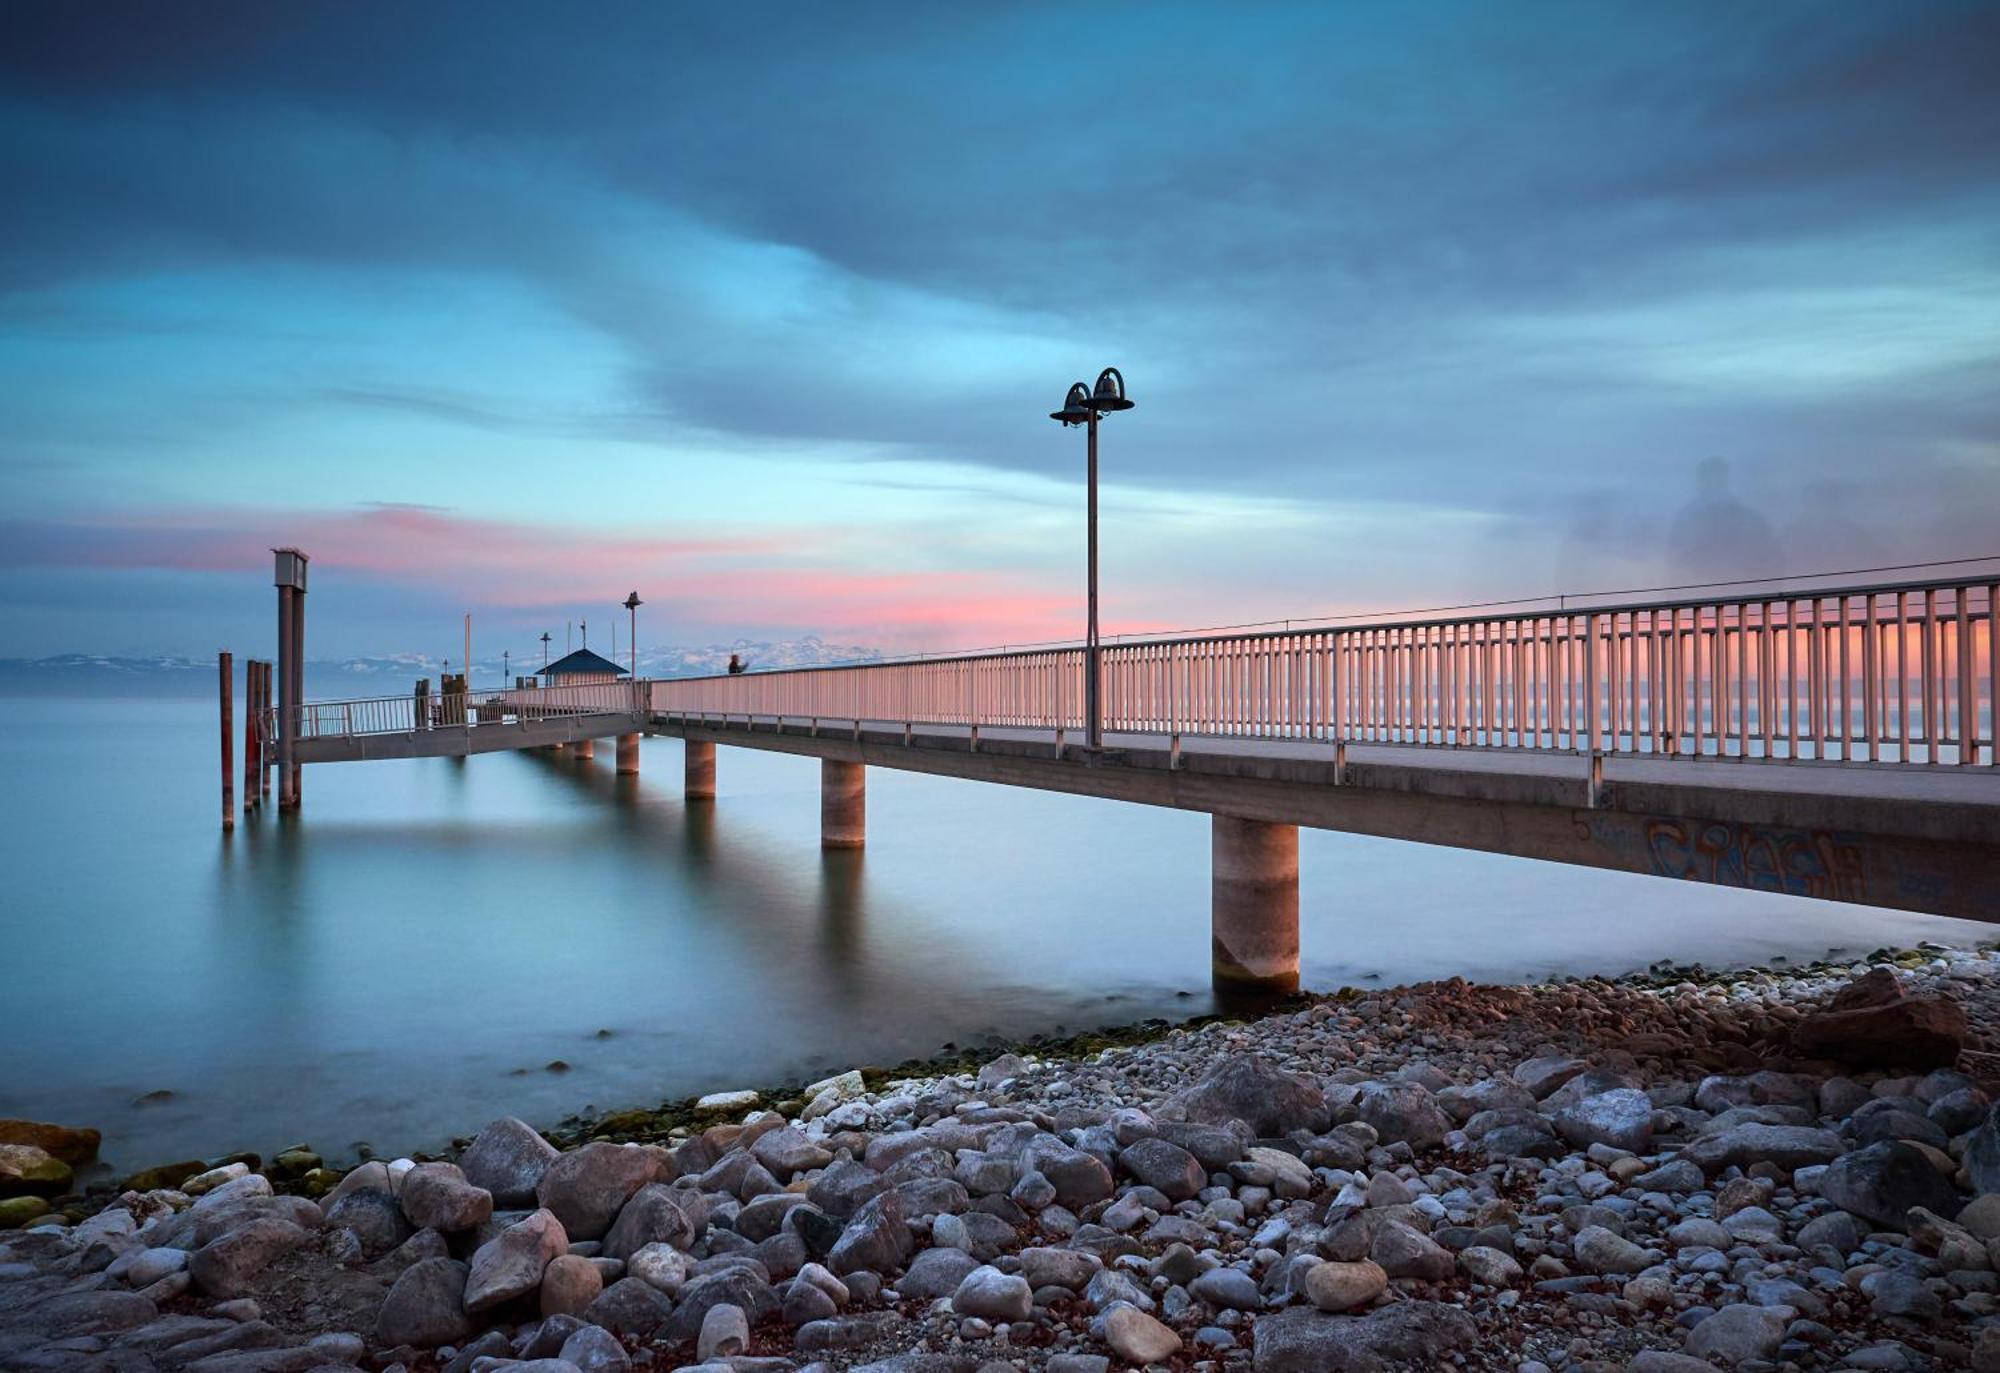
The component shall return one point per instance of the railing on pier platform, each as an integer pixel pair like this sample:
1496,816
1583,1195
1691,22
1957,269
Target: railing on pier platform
1897,674
460,710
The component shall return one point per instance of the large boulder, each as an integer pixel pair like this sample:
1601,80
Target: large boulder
1740,1333
436,1196
508,1160
1410,1334
226,1266
654,1215
1403,1112
28,1170
1621,1118
1873,1022
877,1239
1785,1146
588,1187
1269,1100
426,1307
1982,1154
740,1285
1166,1167
1882,1182
510,1264
633,1307
68,1143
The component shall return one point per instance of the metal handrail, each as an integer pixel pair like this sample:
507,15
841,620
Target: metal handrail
1899,674
498,706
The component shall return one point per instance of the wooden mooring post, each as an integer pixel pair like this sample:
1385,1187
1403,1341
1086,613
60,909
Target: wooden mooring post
224,670
250,670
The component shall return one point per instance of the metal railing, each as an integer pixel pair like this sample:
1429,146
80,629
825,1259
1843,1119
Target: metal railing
459,710
1898,674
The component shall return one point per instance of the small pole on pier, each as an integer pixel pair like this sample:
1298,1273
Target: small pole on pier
249,733
227,676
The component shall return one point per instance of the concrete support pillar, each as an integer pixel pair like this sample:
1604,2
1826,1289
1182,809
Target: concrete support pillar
585,749
700,785
1254,911
843,805
628,755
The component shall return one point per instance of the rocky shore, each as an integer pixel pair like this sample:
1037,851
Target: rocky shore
1761,1171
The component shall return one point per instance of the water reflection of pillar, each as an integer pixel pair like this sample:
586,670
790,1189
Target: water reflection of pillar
842,916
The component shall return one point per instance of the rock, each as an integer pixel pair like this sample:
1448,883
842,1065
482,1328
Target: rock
634,1308
740,1100
1491,1266
593,1349
787,1152
1901,1294
988,1293
1227,1289
1835,1229
1786,1146
1403,1251
62,1142
1002,1069
877,1239
1882,1182
1080,1179
1403,1112
16,1212
26,1169
375,1217
1676,1178
1242,1087
1137,1338
662,1265
1872,1022
805,1303
1600,1250
569,1285
1982,1154
1336,1286
1166,1167
1659,1361
739,1285
508,1159
510,1264
724,1333
1542,1076
144,1267
436,1196
1050,1267
937,1273
1621,1118
1739,1333
654,1215
1698,1232
226,1266
588,1187
426,1307
1981,1216
1411,1334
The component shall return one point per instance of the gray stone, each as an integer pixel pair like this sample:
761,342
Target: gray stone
1739,1333
1621,1118
588,1187
1138,1338
936,1273
1406,1252
1786,1146
570,1284
1677,1177
632,1307
1269,1100
1080,1179
508,1159
426,1307
724,1332
1043,1266
1599,1250
788,1151
1416,1334
1541,1076
1659,1361
877,1239
1494,1267
1882,1182
225,1267
741,1285
436,1196
1160,1164
1891,1293
374,1216
1403,1112
1227,1289
594,1349
988,1293
805,1303
654,1215
510,1264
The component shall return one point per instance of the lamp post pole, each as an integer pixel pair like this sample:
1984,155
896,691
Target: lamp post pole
1083,405
1092,660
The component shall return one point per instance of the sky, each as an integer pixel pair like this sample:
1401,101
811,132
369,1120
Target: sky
760,310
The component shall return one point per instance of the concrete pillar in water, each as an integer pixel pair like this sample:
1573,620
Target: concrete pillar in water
700,784
843,804
628,755
1254,911
585,749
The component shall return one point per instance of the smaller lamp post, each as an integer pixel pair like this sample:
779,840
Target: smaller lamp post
632,604
1082,406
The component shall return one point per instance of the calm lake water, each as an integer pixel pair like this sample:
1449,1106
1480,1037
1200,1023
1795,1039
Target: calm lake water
398,964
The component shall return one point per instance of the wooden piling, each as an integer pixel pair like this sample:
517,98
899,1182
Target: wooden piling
249,734
227,676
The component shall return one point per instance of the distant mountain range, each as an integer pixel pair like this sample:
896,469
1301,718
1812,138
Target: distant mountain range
89,674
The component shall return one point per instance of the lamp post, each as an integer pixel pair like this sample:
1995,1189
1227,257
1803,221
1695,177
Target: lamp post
1082,406
545,648
632,604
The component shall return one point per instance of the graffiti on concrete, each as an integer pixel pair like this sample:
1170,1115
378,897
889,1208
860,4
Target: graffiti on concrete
1799,862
